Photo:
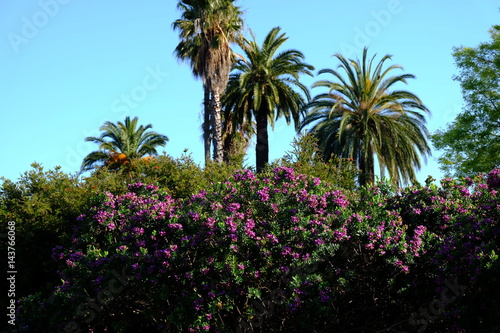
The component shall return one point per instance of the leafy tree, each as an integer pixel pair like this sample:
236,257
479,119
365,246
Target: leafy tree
206,29
122,143
361,117
40,203
305,157
471,143
265,85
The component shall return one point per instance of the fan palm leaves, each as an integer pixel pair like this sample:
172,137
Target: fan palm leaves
206,29
265,86
121,143
362,118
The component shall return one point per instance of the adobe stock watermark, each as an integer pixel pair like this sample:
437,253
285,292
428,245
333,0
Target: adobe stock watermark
122,105
86,311
32,24
436,307
138,93
363,35
11,271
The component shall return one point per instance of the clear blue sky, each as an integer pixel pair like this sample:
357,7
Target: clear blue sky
67,66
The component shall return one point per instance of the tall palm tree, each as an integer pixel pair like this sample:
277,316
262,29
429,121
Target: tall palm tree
361,117
206,29
264,84
122,143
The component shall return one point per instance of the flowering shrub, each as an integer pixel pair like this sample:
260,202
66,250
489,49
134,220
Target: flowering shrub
273,252
493,180
463,219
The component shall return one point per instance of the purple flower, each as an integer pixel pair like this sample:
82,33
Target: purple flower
285,250
138,231
263,194
231,225
233,207
70,263
275,207
210,222
215,206
272,238
244,175
493,179
201,195
194,216
175,226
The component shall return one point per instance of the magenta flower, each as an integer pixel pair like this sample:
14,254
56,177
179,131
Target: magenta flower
493,179
286,250
194,216
233,207
263,194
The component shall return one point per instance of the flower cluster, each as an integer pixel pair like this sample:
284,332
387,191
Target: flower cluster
493,179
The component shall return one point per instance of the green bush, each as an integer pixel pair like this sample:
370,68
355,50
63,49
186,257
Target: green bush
279,251
305,157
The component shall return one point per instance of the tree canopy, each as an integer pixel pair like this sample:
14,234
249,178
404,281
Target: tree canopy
121,143
206,29
266,84
471,143
362,116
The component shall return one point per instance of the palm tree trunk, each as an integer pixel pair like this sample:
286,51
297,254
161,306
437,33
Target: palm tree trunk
228,141
366,166
370,169
217,127
206,123
262,146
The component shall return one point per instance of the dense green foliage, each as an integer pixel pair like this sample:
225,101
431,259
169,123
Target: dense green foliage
471,142
273,252
362,115
305,157
44,204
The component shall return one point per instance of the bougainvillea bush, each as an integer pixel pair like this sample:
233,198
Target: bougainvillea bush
278,252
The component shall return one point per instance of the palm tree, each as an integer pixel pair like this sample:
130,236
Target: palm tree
265,85
206,29
122,143
360,116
